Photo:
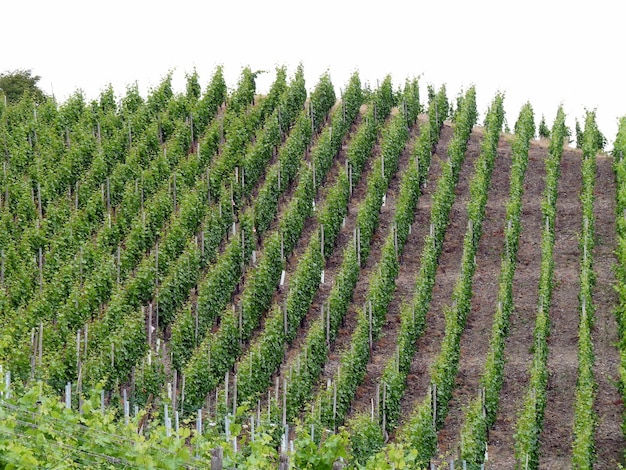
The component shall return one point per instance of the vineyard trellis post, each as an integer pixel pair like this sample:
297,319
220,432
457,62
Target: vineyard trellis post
217,458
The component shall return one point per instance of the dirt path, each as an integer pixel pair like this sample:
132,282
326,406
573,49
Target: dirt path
475,338
428,345
610,442
525,293
556,439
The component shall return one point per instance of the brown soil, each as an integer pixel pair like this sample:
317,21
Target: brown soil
475,338
385,221
610,442
310,224
525,293
386,346
556,439
428,345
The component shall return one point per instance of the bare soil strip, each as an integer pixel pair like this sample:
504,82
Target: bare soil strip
556,438
610,442
475,338
387,213
385,347
525,293
343,238
428,345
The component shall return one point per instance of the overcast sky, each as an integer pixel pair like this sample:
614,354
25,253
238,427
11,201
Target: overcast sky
546,52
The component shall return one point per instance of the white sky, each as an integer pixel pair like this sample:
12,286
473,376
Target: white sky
548,52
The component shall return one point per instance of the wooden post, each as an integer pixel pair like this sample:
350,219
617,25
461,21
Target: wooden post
194,307
275,391
77,349
285,320
40,269
370,322
284,402
395,238
168,421
338,464
234,394
226,380
217,458
322,237
108,193
126,407
150,324
68,395
39,201
175,392
182,394
434,403
33,357
40,343
384,420
350,176
283,463
334,405
358,243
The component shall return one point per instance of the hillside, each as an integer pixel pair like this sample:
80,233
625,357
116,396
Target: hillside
337,263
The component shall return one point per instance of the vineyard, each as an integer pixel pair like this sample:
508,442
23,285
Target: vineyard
366,279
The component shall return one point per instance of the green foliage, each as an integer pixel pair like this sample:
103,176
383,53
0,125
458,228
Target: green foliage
443,372
481,412
585,418
369,439
396,370
619,168
93,190
256,298
579,136
530,420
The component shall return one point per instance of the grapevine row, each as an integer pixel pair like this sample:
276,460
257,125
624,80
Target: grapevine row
585,419
619,168
530,421
481,413
267,354
149,277
219,351
366,435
